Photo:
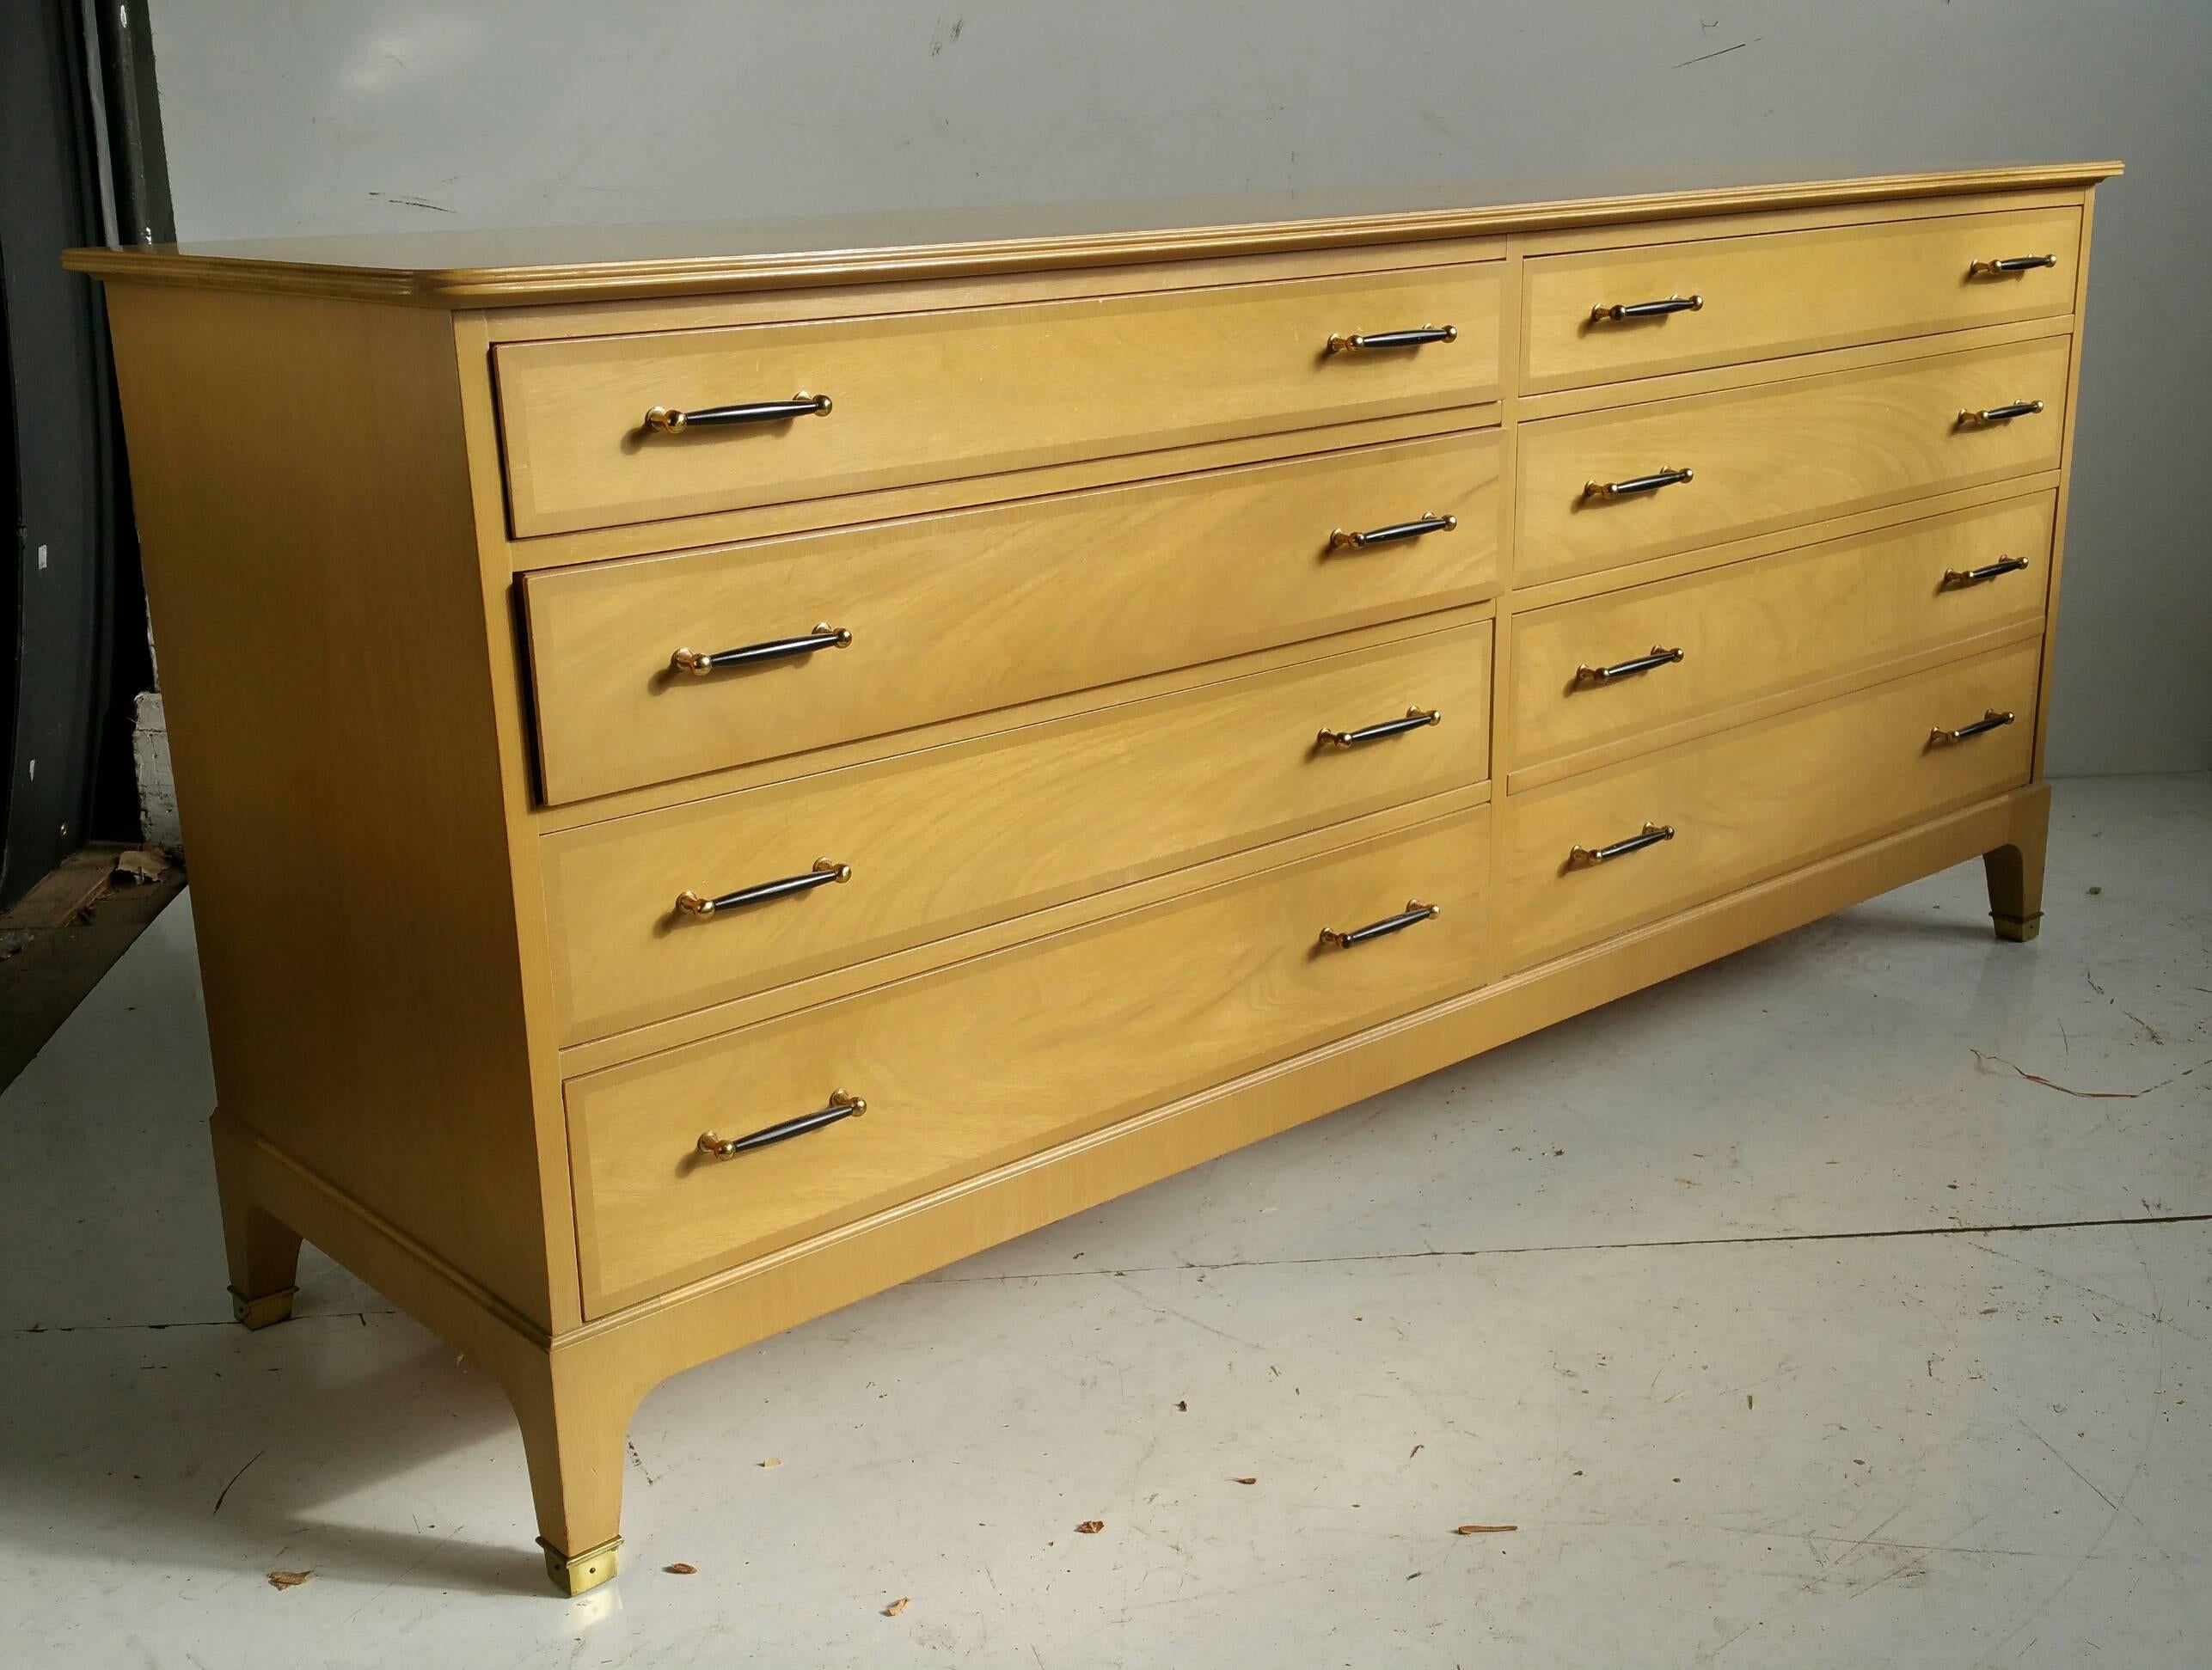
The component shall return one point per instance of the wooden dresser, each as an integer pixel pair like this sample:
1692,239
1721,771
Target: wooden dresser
725,767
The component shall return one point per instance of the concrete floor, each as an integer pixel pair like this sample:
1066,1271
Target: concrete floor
1788,1322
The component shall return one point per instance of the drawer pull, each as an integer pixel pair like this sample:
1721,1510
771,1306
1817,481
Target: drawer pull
1581,857
667,420
2005,264
1636,484
1955,577
776,649
1415,911
1618,310
1991,720
1414,719
1994,414
824,871
840,1106
1413,338
1586,676
1427,522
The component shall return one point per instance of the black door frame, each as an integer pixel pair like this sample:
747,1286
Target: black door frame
73,609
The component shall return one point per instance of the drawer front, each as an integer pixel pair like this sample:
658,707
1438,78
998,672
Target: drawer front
951,838
1787,292
1753,628
981,610
1001,1056
942,396
1751,803
1781,453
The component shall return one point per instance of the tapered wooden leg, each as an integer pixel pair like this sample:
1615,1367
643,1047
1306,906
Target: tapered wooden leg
263,1253
575,1435
2015,871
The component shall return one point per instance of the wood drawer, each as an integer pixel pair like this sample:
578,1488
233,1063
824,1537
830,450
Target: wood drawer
999,1057
950,838
1775,454
1787,292
941,397
1751,803
1751,629
979,609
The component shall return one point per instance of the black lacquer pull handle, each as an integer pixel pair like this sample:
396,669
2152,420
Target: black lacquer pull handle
1414,719
776,649
840,1106
1415,911
1643,663
1581,857
1657,309
1955,577
1636,484
824,871
1995,414
666,420
1418,337
1991,720
2005,264
1427,522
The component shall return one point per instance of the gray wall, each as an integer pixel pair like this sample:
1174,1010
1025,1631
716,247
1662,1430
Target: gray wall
377,114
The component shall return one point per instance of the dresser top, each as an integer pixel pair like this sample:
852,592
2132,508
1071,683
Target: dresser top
513,266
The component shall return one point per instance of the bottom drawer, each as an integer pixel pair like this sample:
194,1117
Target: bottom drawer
980,1063
1751,803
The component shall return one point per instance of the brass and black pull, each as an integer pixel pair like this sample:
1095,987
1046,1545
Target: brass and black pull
1581,857
1997,414
840,1106
667,420
1419,336
1659,656
1414,912
824,871
1414,719
1427,522
2005,264
1618,310
1953,578
702,662
1636,484
1991,720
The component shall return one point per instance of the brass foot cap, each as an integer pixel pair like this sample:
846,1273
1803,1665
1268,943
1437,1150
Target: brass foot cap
2019,930
263,1313
574,1573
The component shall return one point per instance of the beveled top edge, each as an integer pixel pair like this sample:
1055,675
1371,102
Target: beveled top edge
514,267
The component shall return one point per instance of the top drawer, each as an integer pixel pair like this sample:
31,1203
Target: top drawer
1787,292
936,396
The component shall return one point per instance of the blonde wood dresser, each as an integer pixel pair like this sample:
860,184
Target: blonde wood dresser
726,767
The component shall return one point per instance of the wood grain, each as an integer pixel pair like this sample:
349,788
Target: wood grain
2065,487
971,391
504,266
1775,453
948,839
315,592
640,1346
1094,961
1751,803
984,609
974,1065
1787,292
846,980
923,498
1769,625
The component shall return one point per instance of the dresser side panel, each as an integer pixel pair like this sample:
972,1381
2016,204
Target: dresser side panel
312,575
2065,484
